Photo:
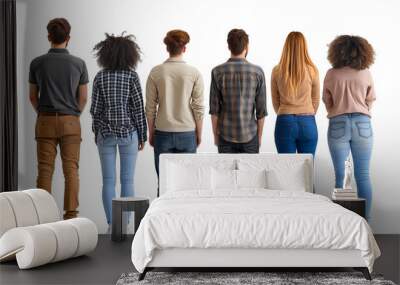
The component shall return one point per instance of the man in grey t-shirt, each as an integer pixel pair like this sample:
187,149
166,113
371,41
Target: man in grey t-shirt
58,93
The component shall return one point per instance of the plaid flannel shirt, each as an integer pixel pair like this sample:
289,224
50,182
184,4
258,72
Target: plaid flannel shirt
238,98
117,104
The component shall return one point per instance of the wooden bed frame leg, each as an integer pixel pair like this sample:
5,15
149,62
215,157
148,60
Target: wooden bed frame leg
365,272
143,274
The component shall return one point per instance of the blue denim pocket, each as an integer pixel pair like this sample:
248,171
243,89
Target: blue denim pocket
99,138
337,130
364,129
186,142
284,127
107,140
163,141
308,127
131,138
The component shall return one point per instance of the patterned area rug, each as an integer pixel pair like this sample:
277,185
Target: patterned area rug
244,278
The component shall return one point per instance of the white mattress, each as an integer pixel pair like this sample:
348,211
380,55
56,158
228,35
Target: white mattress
252,218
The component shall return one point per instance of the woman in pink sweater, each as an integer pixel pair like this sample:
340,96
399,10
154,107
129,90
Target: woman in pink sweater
348,94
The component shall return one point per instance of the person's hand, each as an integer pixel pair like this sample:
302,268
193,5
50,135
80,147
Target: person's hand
151,139
216,140
141,146
198,140
259,140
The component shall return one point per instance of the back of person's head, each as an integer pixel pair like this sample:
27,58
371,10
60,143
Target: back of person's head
118,52
352,51
238,41
58,30
295,61
176,41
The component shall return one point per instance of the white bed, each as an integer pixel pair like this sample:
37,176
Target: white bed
219,211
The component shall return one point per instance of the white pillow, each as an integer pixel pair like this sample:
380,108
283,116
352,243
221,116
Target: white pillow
252,178
282,174
223,179
294,180
188,177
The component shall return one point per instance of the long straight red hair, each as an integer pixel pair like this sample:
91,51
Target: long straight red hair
295,61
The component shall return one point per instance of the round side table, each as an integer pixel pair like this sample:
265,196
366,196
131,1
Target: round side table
137,205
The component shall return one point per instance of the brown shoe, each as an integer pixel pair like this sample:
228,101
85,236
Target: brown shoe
70,215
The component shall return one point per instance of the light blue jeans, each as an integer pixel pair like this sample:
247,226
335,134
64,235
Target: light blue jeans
128,150
352,132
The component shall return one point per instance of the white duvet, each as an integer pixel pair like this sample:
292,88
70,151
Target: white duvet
253,218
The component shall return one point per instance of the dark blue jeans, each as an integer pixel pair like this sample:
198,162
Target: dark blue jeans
230,147
296,133
173,142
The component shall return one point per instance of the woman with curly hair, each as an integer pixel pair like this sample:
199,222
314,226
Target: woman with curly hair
118,114
348,94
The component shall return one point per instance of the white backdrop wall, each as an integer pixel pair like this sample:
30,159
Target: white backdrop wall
208,22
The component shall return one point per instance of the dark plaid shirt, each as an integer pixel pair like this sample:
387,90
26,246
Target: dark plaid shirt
117,104
238,98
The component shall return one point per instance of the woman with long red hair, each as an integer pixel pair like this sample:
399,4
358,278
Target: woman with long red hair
295,97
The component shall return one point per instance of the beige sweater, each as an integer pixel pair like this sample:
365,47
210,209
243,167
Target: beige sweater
304,101
174,96
347,90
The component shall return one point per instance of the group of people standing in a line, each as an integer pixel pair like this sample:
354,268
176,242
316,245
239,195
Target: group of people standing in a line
174,106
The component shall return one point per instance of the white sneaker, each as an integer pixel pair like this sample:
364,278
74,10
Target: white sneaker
109,229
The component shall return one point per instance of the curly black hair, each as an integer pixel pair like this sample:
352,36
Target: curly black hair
118,52
352,51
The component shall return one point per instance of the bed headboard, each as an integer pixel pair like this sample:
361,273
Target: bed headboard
285,164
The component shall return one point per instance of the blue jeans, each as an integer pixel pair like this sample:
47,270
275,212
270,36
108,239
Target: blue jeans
352,132
296,133
128,149
230,147
173,142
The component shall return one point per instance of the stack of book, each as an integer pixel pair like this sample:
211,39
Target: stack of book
344,194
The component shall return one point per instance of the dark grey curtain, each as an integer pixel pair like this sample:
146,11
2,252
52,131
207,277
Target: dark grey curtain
8,98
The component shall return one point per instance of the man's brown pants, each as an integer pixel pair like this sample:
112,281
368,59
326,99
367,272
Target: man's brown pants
64,130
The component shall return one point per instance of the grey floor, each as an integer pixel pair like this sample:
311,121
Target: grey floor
110,260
